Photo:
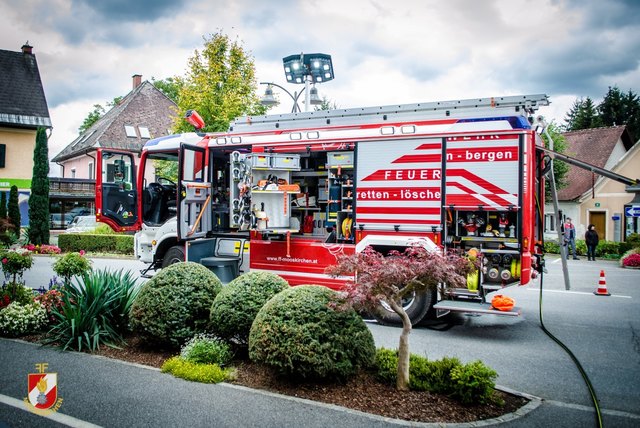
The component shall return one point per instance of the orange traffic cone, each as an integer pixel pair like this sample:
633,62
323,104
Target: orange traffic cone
602,286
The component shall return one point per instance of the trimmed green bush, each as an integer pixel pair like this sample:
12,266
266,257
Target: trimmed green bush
94,311
304,332
205,349
433,376
195,372
70,265
471,383
386,364
605,249
237,305
424,375
174,305
99,243
19,319
474,383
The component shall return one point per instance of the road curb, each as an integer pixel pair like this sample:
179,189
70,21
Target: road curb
534,402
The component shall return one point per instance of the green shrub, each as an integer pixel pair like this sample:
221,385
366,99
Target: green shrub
18,293
633,240
19,319
195,372
301,333
473,383
101,229
99,243
551,247
608,248
238,303
605,249
174,305
70,265
433,376
424,375
94,311
386,364
205,349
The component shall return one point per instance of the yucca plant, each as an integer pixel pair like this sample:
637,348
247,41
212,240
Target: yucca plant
95,311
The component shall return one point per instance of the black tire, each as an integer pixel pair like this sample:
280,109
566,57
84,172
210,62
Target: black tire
173,255
416,306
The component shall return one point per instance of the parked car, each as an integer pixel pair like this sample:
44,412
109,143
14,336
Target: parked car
60,221
82,223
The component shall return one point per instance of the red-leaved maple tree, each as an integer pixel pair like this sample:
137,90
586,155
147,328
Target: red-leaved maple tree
388,279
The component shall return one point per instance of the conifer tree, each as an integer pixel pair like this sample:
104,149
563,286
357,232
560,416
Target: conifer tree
14,207
39,198
3,204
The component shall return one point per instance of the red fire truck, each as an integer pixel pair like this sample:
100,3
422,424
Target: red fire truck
290,193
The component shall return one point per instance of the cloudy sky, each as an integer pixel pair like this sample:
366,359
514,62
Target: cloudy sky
384,52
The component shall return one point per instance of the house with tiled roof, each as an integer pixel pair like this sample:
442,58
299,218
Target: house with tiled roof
142,114
590,198
23,108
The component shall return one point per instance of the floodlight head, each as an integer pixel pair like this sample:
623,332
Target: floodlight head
317,65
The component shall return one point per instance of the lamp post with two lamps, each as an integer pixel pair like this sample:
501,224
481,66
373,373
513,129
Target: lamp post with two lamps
304,69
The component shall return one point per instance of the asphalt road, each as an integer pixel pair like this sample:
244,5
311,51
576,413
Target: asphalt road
602,332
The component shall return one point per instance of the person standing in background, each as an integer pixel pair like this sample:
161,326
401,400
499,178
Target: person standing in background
570,238
591,238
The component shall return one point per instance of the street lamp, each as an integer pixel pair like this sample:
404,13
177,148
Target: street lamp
302,69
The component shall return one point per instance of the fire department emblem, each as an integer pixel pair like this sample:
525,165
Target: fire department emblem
42,391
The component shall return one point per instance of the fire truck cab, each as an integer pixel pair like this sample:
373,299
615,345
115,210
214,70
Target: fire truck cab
290,193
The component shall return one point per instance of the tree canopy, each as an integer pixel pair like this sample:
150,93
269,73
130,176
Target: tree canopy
617,108
220,84
92,117
560,169
169,86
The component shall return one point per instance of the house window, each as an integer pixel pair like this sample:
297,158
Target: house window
73,173
3,153
90,170
130,130
144,132
550,223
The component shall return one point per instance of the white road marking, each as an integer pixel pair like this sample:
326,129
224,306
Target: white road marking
576,292
61,418
590,409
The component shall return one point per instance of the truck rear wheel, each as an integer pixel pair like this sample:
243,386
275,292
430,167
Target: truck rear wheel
416,305
173,255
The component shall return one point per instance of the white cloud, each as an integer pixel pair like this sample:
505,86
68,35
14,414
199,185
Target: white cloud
384,53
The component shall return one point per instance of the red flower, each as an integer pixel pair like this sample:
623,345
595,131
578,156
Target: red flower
4,261
82,252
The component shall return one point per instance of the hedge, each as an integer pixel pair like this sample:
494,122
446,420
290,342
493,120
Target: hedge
122,244
605,249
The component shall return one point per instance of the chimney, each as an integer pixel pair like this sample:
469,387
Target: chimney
26,49
137,80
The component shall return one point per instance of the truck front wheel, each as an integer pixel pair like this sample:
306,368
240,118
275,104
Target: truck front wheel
416,305
173,255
